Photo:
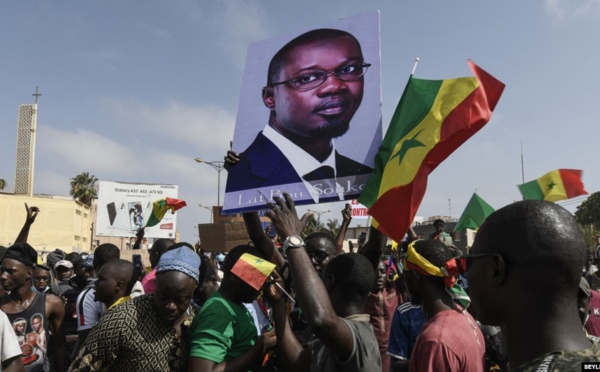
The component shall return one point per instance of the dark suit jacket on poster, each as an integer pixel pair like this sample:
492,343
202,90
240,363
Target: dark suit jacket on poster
263,165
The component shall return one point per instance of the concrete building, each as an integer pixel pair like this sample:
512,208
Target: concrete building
62,222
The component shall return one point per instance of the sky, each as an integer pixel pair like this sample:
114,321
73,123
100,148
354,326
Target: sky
133,91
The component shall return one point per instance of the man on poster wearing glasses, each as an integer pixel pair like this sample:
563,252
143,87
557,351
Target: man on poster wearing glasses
314,87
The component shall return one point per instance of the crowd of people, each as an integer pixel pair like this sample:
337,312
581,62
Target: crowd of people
517,301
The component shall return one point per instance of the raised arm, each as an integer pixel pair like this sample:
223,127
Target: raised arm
341,235
31,215
295,357
260,239
311,293
374,247
139,237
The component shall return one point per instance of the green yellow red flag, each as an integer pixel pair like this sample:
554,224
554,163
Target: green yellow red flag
476,211
160,207
432,119
557,185
253,270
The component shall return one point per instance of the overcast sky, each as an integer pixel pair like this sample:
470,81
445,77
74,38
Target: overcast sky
133,91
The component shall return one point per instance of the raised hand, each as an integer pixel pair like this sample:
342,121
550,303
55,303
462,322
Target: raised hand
31,213
347,213
284,217
271,291
231,159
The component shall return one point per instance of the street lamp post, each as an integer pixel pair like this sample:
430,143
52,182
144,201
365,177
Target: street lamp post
212,219
319,213
218,166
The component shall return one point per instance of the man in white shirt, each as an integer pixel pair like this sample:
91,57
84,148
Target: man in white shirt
10,351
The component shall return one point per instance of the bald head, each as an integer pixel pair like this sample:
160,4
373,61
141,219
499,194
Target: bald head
121,271
538,235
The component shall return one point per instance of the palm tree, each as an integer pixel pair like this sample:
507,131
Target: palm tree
2,183
333,226
84,188
313,225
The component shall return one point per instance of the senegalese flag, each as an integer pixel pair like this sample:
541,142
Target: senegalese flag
433,118
557,185
160,207
476,211
253,270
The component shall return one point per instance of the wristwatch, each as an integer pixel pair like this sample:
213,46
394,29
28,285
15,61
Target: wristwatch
292,241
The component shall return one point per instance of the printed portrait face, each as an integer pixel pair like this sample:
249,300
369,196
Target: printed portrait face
309,116
325,111
37,323
19,326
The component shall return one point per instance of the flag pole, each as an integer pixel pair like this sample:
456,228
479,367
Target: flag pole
522,164
415,66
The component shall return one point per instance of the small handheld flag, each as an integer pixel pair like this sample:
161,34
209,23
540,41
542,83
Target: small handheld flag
253,270
160,208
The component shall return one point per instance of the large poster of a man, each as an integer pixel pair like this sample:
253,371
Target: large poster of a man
309,118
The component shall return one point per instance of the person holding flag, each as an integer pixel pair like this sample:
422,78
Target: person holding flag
223,334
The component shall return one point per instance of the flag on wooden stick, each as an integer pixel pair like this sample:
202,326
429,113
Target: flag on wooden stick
253,270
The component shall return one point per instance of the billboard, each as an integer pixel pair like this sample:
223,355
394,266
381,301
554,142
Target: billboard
359,211
309,117
123,209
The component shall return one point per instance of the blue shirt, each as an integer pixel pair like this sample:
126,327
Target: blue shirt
406,326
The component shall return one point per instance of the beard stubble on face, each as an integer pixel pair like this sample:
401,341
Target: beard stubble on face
332,128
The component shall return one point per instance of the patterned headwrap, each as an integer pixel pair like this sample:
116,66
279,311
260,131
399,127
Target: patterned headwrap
418,263
414,261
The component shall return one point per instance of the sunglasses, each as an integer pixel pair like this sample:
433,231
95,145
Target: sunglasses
465,261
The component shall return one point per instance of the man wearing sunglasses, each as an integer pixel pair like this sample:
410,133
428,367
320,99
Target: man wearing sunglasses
524,271
314,87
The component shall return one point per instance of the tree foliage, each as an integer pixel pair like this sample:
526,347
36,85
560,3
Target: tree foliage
588,213
84,188
312,225
333,226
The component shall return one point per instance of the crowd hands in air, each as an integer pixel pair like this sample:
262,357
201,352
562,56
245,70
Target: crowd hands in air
518,301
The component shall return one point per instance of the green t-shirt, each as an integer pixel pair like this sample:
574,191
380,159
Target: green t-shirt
222,330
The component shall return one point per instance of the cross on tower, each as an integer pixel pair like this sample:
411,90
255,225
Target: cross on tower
36,94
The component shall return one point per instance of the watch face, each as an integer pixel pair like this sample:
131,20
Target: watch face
295,241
